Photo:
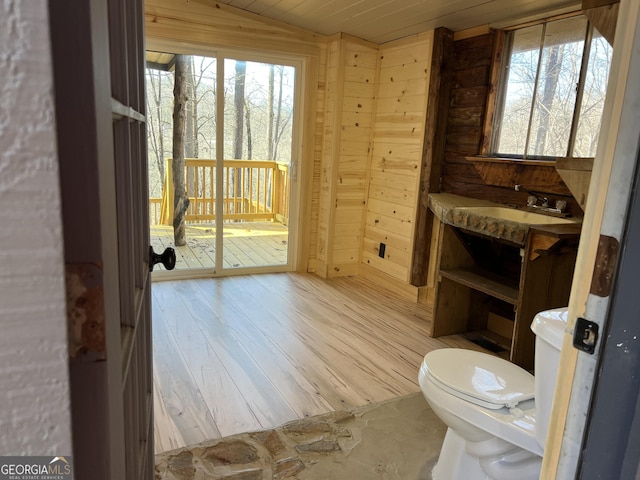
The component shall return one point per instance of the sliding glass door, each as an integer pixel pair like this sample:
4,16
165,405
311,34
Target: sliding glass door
226,205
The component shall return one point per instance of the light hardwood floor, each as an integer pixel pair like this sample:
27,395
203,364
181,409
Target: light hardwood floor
237,354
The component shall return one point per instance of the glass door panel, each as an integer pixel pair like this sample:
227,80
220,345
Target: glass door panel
258,139
197,249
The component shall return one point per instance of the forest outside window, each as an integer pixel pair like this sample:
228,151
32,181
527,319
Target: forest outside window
554,84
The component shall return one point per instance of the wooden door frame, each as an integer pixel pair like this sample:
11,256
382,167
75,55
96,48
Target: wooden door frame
611,444
604,224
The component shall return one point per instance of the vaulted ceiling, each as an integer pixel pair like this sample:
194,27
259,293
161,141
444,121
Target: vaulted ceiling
383,20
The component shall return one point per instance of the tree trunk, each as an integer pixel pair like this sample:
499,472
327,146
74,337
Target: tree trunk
156,137
194,93
180,199
278,117
270,114
247,116
189,136
553,66
241,70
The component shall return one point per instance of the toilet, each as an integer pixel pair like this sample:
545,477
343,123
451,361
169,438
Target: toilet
497,413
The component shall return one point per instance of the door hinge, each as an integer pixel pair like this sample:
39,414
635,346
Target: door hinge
606,262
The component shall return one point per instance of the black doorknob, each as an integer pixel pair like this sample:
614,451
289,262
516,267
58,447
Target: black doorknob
167,258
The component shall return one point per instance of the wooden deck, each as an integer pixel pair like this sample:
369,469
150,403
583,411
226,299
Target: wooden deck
238,354
246,244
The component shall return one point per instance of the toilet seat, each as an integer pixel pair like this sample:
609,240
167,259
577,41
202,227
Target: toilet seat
479,378
514,425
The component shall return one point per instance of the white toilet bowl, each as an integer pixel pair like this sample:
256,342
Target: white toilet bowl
488,405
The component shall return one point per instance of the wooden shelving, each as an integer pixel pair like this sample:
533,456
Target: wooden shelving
485,282
492,289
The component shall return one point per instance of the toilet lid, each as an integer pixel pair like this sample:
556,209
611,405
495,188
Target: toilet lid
480,378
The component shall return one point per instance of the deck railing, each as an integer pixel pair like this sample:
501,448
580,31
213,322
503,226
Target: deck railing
253,190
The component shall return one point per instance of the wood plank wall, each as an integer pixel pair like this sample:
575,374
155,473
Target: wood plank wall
352,70
468,101
210,25
327,165
313,196
398,137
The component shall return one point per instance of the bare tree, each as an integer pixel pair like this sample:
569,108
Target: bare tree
545,101
180,199
238,102
239,87
156,138
247,117
279,129
270,118
190,139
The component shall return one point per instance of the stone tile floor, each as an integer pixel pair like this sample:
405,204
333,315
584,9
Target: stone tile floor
396,439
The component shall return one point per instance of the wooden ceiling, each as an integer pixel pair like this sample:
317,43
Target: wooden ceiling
381,21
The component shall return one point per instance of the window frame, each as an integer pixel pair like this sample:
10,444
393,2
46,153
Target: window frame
497,91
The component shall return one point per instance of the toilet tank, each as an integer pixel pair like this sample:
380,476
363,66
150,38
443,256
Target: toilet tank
549,327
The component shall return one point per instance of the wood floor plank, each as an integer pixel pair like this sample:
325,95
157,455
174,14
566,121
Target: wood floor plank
295,344
179,392
266,403
296,390
163,422
280,346
368,370
319,345
228,406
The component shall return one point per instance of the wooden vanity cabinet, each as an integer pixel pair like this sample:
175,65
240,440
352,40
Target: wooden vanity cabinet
491,289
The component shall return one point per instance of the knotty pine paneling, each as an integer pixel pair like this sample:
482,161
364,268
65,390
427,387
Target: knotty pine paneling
468,102
319,119
398,136
351,87
327,165
204,23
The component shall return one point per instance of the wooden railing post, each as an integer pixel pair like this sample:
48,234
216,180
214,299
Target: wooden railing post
166,204
171,188
275,191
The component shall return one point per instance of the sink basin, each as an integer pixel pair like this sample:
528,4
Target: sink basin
492,219
513,215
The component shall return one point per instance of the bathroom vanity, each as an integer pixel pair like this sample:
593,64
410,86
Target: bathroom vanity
494,268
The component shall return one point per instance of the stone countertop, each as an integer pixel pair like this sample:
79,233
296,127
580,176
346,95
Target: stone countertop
450,209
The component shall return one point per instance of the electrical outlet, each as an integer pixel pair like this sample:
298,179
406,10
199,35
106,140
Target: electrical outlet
381,250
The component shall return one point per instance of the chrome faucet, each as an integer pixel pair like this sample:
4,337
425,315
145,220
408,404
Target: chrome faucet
532,201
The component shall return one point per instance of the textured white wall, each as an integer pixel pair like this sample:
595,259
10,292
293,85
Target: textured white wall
34,383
